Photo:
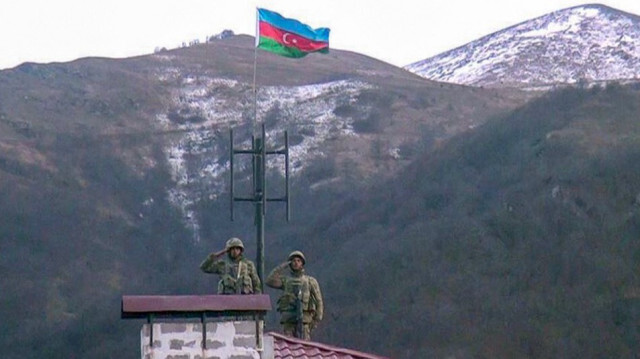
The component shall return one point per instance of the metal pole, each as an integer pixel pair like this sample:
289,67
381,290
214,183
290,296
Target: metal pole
259,194
263,164
286,174
259,154
255,89
231,179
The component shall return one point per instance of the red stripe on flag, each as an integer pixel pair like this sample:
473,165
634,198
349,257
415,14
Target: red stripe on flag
290,39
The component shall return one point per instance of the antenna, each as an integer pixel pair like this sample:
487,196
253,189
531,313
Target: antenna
259,196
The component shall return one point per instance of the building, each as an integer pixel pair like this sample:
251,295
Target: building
218,327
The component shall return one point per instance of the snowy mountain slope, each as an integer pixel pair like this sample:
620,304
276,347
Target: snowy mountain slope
198,158
584,43
350,118
344,111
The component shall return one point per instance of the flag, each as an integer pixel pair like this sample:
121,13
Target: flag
288,37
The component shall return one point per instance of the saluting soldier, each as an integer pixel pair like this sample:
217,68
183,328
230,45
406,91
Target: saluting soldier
300,305
237,274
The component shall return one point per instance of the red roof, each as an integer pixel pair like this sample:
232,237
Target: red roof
293,348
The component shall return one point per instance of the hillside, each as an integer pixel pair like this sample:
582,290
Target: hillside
352,114
450,221
582,44
518,239
113,172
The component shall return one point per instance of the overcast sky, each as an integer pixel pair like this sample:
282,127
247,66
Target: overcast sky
396,31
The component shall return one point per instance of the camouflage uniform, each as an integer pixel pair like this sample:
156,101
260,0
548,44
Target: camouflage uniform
293,282
238,276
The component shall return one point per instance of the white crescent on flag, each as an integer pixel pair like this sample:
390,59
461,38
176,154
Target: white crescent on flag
284,38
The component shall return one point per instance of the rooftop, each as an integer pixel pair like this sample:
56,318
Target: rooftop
293,348
140,306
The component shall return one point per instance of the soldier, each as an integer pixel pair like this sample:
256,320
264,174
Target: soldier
238,274
300,305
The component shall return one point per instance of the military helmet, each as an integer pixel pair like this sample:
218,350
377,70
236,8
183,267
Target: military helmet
234,242
298,254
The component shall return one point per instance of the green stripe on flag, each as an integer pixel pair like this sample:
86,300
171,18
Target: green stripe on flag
271,45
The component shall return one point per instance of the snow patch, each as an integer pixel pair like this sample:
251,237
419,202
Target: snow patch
202,109
588,43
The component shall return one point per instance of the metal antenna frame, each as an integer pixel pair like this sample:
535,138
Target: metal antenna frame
259,154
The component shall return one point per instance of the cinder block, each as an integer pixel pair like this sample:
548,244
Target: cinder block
176,344
173,328
244,342
212,327
214,344
246,328
242,356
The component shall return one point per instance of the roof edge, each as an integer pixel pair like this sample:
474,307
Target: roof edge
351,352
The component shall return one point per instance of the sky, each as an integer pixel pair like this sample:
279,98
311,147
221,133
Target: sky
399,32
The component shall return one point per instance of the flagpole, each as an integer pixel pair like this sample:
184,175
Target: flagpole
255,91
259,161
255,65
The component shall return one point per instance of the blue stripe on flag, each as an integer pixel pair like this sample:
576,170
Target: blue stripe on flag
292,25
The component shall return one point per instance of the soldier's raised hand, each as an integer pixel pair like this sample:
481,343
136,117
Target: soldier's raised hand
218,253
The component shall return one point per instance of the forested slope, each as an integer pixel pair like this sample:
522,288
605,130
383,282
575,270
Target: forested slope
519,239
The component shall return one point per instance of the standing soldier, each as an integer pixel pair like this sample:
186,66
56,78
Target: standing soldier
300,305
237,274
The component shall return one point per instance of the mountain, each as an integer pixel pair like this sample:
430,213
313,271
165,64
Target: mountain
516,240
351,112
440,220
588,43
355,115
114,173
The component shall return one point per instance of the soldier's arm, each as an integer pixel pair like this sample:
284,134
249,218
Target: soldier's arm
257,285
316,296
212,264
274,279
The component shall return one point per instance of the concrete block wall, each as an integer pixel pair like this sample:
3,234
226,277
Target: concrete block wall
183,340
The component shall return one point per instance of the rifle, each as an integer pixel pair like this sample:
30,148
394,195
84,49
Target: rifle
299,313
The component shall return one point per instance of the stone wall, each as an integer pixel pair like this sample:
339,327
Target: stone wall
183,340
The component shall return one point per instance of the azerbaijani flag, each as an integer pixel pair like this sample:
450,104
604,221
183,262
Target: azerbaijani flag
289,37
